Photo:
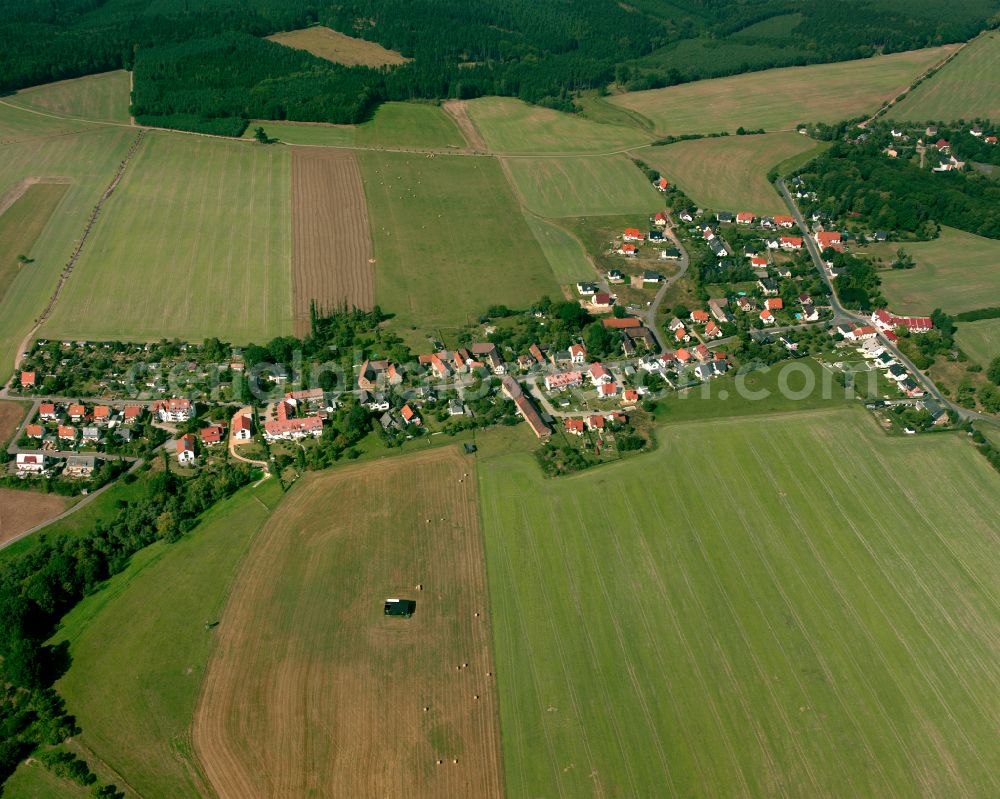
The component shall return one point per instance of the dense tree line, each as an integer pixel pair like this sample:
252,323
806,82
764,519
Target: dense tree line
201,66
893,194
40,586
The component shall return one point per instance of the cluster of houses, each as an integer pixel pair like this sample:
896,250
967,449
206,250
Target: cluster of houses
63,427
298,415
41,464
632,237
874,351
946,160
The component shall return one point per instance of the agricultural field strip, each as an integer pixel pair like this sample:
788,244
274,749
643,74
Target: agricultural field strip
871,505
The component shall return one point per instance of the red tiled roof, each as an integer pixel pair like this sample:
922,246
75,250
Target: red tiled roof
27,379
774,303
47,408
633,233
699,316
574,425
35,430
307,424
65,431
241,422
213,434
133,411
827,238
185,443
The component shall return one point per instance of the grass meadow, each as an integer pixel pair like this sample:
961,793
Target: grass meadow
140,648
966,88
88,160
731,172
763,606
955,272
393,125
584,186
513,127
449,239
779,99
195,242
563,251
980,340
101,98
24,125
337,47
21,225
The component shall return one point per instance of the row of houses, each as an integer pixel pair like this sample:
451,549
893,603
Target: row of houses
39,464
872,350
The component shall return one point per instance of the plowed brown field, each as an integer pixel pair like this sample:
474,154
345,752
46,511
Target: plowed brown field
332,246
22,510
312,691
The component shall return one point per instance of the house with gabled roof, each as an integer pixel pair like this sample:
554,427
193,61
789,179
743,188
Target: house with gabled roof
28,379
606,390
575,427
185,450
31,463
47,411
745,218
633,234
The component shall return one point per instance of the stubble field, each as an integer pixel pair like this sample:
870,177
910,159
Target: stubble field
778,99
312,690
730,173
966,88
449,239
331,242
761,607
339,48
195,242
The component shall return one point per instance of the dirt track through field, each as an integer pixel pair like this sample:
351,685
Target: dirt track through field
314,692
332,247
458,110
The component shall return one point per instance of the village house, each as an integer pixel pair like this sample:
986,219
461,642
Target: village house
681,335
577,354
767,317
809,313
615,276
575,427
80,465
784,221
774,303
31,463
791,242
712,330
827,238
633,234
724,216
599,374
27,379
602,301
745,218
595,422
185,450
627,249
586,289
293,429
76,412
512,389
745,304
707,233
687,215
212,434
660,219
862,333
699,317
682,356
103,414
768,287
661,184
66,433
886,321
47,411
409,415
718,248
702,353
173,410
34,431
132,413
655,235
704,371
607,390
91,434
630,396
242,427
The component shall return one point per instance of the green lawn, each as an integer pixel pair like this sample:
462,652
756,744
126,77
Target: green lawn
778,99
584,186
967,88
449,239
89,161
140,648
777,606
195,242
102,98
32,780
731,172
394,125
956,272
510,126
980,340
563,251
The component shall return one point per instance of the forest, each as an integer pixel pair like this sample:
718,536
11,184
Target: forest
203,66
894,194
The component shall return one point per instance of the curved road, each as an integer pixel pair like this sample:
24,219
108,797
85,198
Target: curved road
841,314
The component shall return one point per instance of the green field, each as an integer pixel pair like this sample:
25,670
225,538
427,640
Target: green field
584,186
563,251
779,99
21,225
730,173
394,125
449,239
32,780
89,161
511,127
195,242
980,340
965,89
140,648
20,125
760,607
103,98
956,272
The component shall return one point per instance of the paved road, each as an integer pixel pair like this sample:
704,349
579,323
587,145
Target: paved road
649,317
841,314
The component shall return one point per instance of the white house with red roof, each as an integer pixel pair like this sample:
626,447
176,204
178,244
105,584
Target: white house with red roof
27,379
409,415
185,450
173,410
31,463
575,427
791,243
577,354
242,427
660,219
784,221
47,411
827,238
745,218
293,429
599,374
886,322
767,317
627,249
563,380
662,184
606,390
633,234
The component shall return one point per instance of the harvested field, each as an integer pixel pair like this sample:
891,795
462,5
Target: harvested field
11,415
815,93
459,111
22,510
331,242
338,47
314,692
102,98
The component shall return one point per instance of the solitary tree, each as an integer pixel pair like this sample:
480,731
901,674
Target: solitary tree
261,136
